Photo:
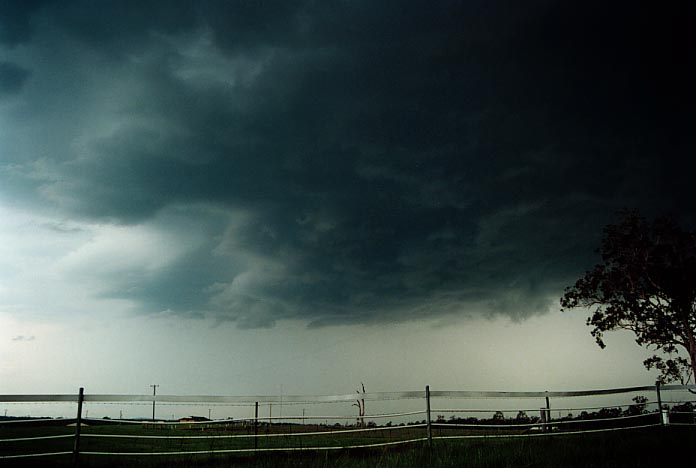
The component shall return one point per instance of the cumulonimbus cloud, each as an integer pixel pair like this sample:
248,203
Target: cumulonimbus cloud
346,162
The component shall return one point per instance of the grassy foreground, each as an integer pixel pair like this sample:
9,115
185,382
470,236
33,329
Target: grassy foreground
633,448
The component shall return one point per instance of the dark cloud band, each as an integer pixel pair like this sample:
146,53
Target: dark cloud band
388,161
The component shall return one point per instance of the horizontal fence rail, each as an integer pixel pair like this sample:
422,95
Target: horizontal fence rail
308,399
42,437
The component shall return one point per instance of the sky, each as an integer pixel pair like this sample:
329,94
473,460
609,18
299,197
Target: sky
236,197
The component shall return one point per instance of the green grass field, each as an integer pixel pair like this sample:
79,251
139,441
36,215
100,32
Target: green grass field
630,448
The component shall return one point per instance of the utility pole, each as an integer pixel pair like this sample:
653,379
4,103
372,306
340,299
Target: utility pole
154,392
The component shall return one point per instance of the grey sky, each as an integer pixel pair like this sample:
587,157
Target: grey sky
333,164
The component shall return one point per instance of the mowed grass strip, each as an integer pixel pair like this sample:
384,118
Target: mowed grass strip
215,438
631,448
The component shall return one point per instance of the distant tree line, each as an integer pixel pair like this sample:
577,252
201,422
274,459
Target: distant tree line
603,418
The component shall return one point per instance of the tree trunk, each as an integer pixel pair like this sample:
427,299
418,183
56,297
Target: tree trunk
692,353
691,342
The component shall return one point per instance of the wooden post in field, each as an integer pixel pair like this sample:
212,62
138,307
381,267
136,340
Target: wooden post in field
78,424
362,408
427,415
360,403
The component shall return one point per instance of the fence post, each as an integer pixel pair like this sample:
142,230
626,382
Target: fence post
78,424
663,416
256,425
548,414
427,413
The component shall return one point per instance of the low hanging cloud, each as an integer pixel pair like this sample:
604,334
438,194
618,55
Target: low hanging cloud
340,162
23,338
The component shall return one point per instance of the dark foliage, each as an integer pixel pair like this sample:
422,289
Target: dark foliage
645,284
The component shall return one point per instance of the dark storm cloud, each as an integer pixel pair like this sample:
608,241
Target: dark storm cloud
392,160
12,78
15,20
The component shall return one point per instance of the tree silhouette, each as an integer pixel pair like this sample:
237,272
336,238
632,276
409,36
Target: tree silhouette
638,407
522,418
646,283
360,403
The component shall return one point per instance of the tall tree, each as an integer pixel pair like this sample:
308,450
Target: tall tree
646,283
